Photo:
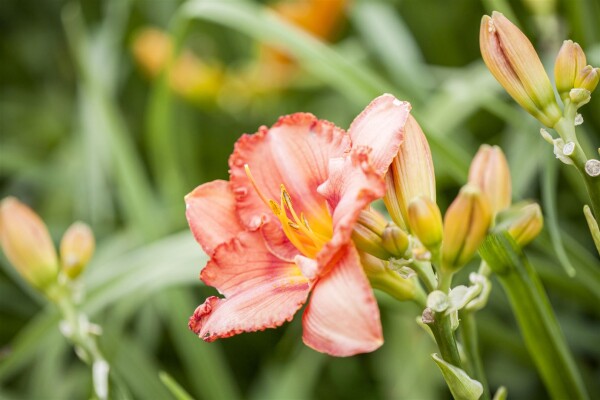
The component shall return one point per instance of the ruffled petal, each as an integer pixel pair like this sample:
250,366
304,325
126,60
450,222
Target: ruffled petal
294,152
277,242
342,317
246,262
352,185
381,127
261,291
210,211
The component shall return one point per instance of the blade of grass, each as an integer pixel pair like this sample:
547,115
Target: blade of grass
549,187
176,390
390,39
135,193
204,363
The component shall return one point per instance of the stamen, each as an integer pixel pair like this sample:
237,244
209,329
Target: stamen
275,208
297,229
293,225
249,175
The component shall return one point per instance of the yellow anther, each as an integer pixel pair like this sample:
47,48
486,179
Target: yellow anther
297,229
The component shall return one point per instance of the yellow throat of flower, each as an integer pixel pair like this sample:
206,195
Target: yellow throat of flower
296,228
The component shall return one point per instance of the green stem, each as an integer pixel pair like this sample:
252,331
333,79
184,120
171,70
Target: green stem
468,326
445,280
535,317
425,273
81,337
566,129
444,337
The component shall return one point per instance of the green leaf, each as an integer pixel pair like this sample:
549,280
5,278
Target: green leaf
176,390
461,385
538,325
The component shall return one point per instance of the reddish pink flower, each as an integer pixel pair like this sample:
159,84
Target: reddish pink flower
280,229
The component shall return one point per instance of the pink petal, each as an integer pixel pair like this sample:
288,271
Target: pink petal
277,242
352,185
246,262
261,291
342,317
294,152
381,127
210,211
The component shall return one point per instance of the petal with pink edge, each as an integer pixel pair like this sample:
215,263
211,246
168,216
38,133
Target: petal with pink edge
342,317
245,262
261,291
255,309
381,127
352,185
294,152
210,211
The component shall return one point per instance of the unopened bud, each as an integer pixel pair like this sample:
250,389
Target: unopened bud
523,221
76,249
580,97
367,234
513,61
411,174
489,172
588,78
425,221
465,226
394,240
385,279
570,60
27,244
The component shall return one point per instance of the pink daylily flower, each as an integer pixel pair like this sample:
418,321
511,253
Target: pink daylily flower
280,229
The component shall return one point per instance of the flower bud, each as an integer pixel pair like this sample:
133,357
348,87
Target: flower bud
367,234
523,221
587,78
394,240
383,278
410,175
425,221
489,172
513,61
76,249
465,226
27,244
570,60
580,97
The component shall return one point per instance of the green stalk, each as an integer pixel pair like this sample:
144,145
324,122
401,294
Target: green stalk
538,325
444,337
81,337
566,129
470,340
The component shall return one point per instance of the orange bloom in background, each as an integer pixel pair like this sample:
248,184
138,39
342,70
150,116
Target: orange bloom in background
190,77
198,80
281,228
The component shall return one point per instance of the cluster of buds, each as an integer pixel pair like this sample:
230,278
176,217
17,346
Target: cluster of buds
27,245
418,231
575,81
513,61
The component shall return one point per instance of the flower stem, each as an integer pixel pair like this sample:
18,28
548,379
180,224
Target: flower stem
468,326
537,322
566,129
444,337
425,273
77,330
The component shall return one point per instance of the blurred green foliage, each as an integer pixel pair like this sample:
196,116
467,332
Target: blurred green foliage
84,135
